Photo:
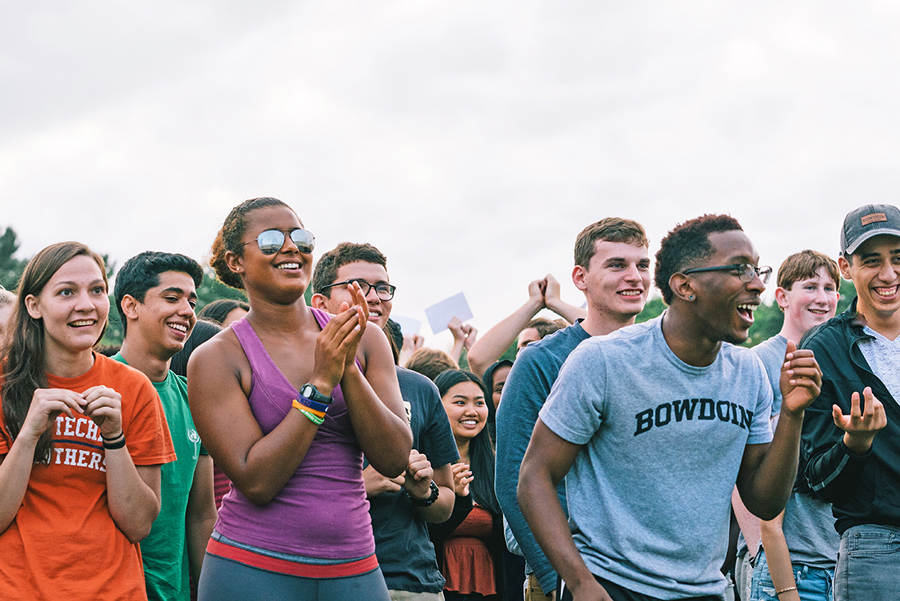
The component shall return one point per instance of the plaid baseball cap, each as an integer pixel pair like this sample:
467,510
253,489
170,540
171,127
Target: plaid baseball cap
868,221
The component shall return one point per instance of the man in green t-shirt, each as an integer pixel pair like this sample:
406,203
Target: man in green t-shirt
155,295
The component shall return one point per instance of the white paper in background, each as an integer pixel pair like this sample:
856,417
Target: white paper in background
408,325
440,314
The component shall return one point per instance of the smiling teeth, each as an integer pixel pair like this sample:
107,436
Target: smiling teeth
886,291
289,266
178,326
83,322
630,293
748,307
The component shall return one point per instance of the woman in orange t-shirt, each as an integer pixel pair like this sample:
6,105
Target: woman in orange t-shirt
469,546
75,499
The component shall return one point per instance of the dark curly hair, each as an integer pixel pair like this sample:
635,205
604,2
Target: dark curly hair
230,238
686,245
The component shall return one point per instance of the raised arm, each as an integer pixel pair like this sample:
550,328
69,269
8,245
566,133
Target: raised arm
767,471
555,303
546,463
376,407
493,343
464,336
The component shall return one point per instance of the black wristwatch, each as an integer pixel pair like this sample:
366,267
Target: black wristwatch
435,492
311,392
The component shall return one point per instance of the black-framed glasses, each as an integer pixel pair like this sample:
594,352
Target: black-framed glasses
271,241
745,271
383,290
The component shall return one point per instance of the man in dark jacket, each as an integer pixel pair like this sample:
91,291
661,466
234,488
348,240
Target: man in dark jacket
851,433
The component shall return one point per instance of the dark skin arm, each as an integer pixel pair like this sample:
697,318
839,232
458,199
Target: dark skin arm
219,384
767,471
416,481
546,462
376,407
201,514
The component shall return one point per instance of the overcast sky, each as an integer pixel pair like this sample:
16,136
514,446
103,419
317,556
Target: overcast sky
470,141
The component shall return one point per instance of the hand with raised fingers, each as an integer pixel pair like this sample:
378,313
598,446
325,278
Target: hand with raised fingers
462,476
456,328
362,310
551,290
537,292
801,379
866,420
471,334
104,406
377,483
334,344
413,342
46,405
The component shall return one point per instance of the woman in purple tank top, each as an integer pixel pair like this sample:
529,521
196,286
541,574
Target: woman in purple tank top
287,401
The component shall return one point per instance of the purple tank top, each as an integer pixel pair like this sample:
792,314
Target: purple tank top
322,511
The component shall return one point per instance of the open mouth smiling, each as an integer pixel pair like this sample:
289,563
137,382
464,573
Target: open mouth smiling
746,310
81,323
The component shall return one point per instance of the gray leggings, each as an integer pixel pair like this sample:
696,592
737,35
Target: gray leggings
225,579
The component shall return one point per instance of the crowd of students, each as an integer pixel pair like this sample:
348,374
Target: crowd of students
278,450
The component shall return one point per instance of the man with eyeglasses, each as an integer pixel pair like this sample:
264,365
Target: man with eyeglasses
851,435
657,422
400,507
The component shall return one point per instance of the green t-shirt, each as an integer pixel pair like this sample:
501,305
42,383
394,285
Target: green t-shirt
164,551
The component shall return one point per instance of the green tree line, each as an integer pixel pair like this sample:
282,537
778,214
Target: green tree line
767,319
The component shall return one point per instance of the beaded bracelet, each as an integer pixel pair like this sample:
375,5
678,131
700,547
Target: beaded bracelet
784,590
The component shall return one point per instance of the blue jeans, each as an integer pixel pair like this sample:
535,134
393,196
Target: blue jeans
813,584
868,566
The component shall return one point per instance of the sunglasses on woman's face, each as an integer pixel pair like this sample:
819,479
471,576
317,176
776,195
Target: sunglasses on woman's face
271,241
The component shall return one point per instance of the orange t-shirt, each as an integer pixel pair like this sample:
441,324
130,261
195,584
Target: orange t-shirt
63,543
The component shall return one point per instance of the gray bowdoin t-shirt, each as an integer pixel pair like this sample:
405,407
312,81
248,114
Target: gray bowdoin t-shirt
650,494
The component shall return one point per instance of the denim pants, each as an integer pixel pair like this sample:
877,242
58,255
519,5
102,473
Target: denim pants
813,584
868,566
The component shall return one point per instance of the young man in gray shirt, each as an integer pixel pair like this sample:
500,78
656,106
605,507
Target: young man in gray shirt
657,422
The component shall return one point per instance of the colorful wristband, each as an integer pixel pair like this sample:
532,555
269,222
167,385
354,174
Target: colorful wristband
311,404
299,406
313,418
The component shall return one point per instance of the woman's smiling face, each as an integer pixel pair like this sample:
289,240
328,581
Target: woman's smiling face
73,306
466,409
